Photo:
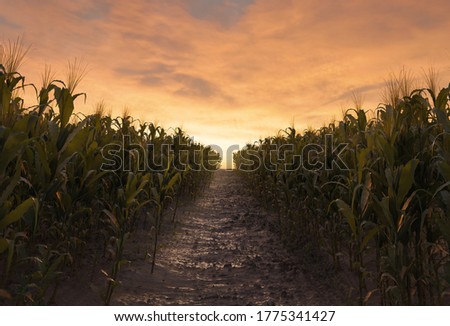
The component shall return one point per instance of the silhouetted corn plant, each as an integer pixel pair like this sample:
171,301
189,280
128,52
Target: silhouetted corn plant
56,199
393,200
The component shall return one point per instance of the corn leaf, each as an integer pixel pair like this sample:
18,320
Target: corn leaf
345,210
17,213
406,180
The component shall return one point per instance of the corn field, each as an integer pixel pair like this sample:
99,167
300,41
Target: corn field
71,183
381,210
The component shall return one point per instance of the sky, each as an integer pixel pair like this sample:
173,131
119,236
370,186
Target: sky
231,71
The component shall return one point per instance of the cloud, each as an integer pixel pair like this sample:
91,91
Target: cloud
347,94
155,70
93,10
229,69
224,12
184,85
7,23
161,41
195,86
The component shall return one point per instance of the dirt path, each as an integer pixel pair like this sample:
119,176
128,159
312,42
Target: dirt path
222,253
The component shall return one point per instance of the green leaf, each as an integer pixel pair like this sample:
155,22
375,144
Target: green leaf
442,99
345,210
92,176
65,104
384,213
441,116
386,148
12,183
12,149
42,161
112,219
6,99
71,137
172,181
362,160
365,195
406,181
50,272
17,213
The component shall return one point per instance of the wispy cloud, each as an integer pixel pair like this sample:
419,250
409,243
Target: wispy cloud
224,12
4,22
231,70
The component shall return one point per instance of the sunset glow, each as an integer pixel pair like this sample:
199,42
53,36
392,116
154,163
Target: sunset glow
231,71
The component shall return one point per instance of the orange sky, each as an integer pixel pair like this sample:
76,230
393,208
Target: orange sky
231,71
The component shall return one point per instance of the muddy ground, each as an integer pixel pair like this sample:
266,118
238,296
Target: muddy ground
223,251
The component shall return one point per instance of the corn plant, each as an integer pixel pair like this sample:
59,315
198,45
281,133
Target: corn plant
57,201
392,203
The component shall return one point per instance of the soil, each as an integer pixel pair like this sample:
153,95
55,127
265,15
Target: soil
223,251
